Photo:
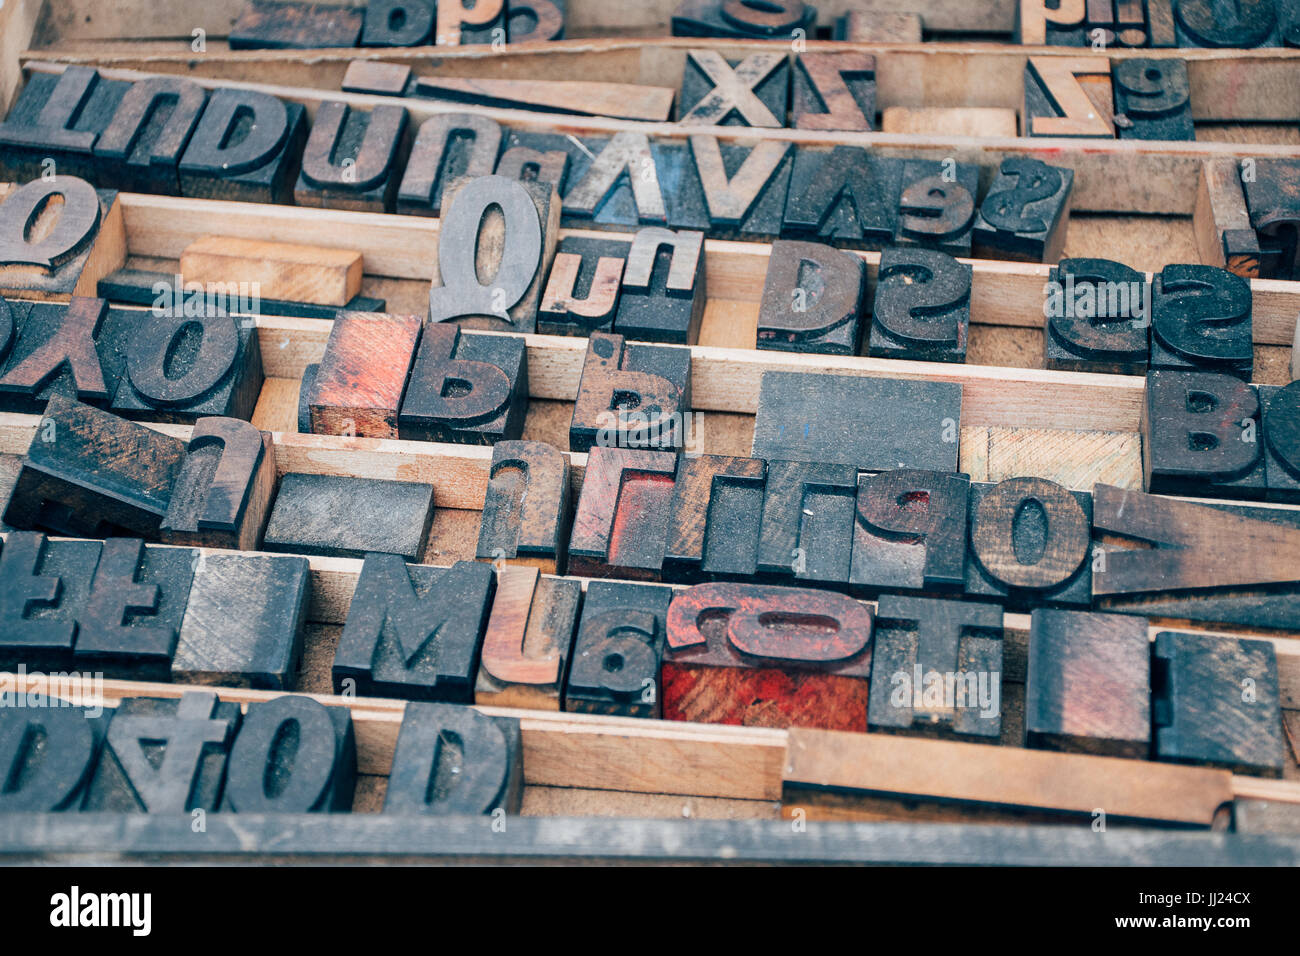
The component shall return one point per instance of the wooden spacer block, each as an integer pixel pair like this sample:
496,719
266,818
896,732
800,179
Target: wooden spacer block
984,121
284,271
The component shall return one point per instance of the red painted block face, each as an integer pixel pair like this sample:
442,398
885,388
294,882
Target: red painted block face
765,656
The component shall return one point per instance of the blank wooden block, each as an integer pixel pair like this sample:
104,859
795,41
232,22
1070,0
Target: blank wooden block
357,388
285,271
349,517
950,121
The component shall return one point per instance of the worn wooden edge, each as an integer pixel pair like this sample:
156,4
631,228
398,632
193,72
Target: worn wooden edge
17,26
1255,85
1130,176
406,247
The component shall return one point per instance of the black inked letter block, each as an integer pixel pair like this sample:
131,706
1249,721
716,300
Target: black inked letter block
1026,214
845,196
808,520
140,150
631,396
1201,319
663,292
351,158
617,652
454,760
246,148
47,755
1097,318
811,299
44,589
937,206
1153,100
1281,411
582,291
910,532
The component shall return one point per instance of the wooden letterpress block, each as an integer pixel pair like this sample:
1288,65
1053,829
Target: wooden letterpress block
807,528
620,188
1153,100
349,517
1204,23
1068,96
1131,23
526,648
466,388
719,92
76,350
1030,542
618,650
52,128
1045,23
1088,686
1215,700
318,277
47,756
305,387
714,518
921,309
243,625
650,104
986,122
1224,234
662,296
1281,414
1026,214
862,26
936,668
91,474
282,271
1160,20
910,532
621,386
223,491
534,21
1200,436
1288,22
844,196
447,147
1100,22
141,149
1097,318
414,632
461,23
246,148
182,368
1273,197
620,528
743,187
164,755
496,227
133,615
378,79
683,191
767,657
935,210
545,157
350,160
398,23
295,26
317,776
526,511
736,18
44,586
582,291
1201,320
357,389
482,774
1176,560
807,416
834,91
811,299
50,251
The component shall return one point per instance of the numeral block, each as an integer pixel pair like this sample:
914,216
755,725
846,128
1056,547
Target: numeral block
1273,198
414,632
349,517
496,227
631,396
182,368
663,293
921,309
91,474
466,388
529,635
1215,700
735,18
527,508
1153,100
812,297
763,656
808,520
44,589
165,756
714,518
1097,318
448,147
1069,97
1201,319
454,760
582,291
1088,687
937,206
620,528
245,148
910,532
937,668
834,91
807,416
243,626
292,755
47,247
1026,214
351,158
1200,436
1030,543
618,650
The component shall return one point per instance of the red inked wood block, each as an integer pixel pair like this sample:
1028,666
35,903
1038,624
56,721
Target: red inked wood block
358,389
762,656
621,526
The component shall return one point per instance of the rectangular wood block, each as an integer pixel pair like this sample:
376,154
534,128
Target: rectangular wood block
529,635
281,270
349,517
359,385
983,121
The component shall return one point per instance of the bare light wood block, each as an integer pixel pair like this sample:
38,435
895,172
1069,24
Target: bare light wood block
285,271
